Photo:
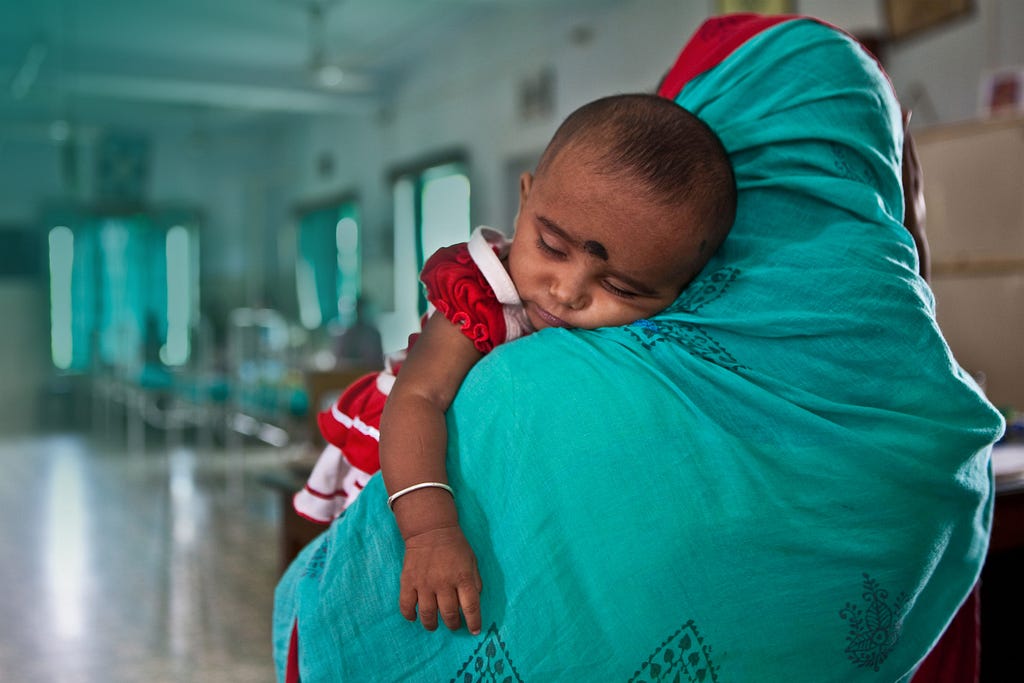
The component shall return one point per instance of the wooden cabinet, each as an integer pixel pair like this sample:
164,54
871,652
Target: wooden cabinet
974,191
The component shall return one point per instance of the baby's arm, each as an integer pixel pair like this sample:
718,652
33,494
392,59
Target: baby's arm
439,574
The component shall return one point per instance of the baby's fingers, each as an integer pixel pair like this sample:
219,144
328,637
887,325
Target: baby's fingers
428,611
407,603
448,608
469,598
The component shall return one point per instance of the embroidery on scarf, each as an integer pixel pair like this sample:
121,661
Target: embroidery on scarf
874,628
693,338
682,657
842,163
704,291
315,566
489,663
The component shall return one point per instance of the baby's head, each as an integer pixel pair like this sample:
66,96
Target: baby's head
630,200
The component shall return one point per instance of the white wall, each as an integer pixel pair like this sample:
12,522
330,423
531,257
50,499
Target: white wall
237,181
938,73
30,171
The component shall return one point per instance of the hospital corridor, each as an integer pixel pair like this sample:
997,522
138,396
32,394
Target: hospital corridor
215,216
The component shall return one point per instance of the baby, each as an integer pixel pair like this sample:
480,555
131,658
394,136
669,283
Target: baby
629,201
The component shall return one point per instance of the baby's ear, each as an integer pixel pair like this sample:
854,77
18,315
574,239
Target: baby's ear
525,183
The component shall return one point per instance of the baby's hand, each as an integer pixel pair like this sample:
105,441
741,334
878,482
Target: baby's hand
440,576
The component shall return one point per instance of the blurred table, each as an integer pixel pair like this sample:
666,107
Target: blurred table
295,532
322,388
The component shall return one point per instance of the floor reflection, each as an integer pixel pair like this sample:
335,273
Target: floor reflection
64,543
118,566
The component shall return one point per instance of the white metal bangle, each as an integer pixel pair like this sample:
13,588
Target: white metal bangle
416,487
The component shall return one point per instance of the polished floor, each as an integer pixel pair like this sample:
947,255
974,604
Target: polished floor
129,565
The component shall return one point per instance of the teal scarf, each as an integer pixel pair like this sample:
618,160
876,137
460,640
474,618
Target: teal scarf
784,477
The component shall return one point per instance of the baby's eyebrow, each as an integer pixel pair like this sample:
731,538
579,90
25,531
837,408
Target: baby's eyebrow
592,247
596,248
557,229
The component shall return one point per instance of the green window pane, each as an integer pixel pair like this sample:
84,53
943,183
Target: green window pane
328,264
62,257
445,212
433,204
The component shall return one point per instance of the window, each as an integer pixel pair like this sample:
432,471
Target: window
445,209
124,290
327,270
431,205
62,261
181,308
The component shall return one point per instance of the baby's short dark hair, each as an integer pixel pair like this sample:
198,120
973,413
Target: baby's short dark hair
661,145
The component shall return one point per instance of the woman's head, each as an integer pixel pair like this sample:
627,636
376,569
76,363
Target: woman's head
629,201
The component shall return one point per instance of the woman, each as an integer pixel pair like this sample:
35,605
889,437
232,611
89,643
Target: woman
783,477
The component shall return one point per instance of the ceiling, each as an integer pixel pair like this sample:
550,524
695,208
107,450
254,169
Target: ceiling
104,62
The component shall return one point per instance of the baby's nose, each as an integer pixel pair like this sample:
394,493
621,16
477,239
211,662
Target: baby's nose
570,293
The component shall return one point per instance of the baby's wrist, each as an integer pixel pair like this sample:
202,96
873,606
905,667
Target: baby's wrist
438,536
425,510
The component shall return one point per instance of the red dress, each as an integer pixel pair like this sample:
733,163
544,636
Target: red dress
468,284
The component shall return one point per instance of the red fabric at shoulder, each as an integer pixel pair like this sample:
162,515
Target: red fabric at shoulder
461,293
715,40
719,37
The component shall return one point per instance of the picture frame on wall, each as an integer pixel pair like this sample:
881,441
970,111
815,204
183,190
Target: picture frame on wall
910,17
1002,93
757,6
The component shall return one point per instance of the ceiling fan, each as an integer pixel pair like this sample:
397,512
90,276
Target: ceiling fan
323,71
